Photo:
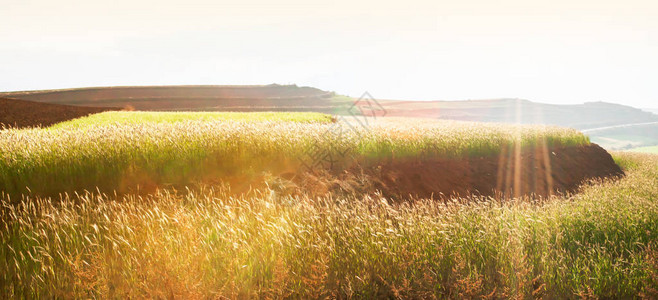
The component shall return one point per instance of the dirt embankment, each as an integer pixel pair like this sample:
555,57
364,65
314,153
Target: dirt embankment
513,173
20,114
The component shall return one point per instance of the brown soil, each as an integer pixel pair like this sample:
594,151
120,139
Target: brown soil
539,171
19,113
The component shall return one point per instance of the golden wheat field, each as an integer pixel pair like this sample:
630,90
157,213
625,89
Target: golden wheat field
77,223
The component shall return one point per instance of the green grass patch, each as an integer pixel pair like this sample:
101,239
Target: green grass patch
140,117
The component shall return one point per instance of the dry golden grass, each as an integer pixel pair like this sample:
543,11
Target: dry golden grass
208,244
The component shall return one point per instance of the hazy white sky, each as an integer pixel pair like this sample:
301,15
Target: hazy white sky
559,51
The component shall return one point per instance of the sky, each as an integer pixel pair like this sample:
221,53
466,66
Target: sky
559,51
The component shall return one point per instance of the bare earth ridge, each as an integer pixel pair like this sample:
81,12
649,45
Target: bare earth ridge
20,114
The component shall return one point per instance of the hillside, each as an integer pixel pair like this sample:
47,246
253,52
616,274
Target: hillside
271,97
19,113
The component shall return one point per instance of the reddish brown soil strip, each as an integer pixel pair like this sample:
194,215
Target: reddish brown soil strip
539,171
19,113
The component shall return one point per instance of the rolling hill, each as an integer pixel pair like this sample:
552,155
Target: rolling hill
188,98
580,116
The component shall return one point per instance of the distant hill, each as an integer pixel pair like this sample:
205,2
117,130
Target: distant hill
600,120
190,97
579,116
19,113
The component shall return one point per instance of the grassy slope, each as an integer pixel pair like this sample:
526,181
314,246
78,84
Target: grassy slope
601,242
96,152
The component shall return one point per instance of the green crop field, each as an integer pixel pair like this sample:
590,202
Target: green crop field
140,117
196,239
